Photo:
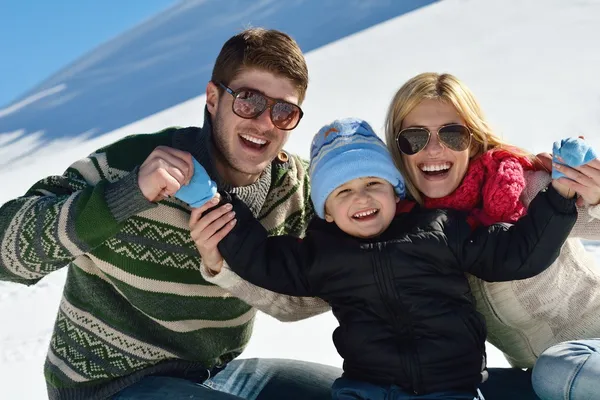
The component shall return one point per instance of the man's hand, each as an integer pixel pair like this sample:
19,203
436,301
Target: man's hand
208,230
165,170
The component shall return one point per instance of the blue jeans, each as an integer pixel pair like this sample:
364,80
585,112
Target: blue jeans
260,379
349,389
569,371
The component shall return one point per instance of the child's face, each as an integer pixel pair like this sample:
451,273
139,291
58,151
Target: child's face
362,207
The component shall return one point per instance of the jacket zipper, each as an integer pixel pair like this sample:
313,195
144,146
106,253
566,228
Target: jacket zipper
384,274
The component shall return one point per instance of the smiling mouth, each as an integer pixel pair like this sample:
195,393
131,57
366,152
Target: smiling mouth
435,169
366,214
253,142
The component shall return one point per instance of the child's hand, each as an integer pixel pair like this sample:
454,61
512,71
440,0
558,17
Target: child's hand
563,190
208,230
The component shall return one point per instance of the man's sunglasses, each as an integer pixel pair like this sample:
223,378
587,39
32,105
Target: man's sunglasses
456,137
249,104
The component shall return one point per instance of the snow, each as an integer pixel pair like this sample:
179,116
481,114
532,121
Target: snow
532,64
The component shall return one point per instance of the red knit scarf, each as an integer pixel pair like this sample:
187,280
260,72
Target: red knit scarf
490,190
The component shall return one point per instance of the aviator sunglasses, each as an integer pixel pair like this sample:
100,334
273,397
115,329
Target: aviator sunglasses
249,104
412,140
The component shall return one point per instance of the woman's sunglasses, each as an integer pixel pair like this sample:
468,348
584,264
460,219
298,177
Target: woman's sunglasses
456,137
249,104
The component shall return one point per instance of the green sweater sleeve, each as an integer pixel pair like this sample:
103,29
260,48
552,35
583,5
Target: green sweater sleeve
61,218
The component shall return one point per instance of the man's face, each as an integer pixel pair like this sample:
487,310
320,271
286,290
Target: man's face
247,146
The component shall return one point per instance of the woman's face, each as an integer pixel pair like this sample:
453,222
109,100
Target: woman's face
436,171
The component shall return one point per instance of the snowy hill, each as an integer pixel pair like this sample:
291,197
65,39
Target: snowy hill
168,60
533,64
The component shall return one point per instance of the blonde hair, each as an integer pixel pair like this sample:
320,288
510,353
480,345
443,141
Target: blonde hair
449,89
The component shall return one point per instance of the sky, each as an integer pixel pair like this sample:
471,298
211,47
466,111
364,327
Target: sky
38,37
169,59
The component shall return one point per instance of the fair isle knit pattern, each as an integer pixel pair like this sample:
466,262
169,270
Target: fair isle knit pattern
562,303
134,302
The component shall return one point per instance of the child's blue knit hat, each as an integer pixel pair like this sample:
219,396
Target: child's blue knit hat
344,150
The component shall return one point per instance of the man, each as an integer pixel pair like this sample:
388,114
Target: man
137,318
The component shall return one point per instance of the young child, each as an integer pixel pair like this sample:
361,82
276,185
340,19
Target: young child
395,280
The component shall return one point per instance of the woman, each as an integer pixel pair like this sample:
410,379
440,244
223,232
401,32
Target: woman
549,323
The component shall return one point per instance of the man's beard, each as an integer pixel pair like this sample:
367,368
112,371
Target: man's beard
223,152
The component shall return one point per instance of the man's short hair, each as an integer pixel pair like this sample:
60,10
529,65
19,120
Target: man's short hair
264,49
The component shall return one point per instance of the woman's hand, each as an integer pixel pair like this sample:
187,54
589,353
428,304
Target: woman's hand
584,180
208,230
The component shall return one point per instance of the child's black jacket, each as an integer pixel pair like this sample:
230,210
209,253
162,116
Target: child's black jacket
403,302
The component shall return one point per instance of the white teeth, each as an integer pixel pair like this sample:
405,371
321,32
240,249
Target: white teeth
254,139
365,213
436,167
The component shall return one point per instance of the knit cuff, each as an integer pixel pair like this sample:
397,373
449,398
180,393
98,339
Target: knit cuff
225,279
560,203
124,197
594,211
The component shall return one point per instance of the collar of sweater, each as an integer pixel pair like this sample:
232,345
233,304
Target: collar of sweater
199,142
